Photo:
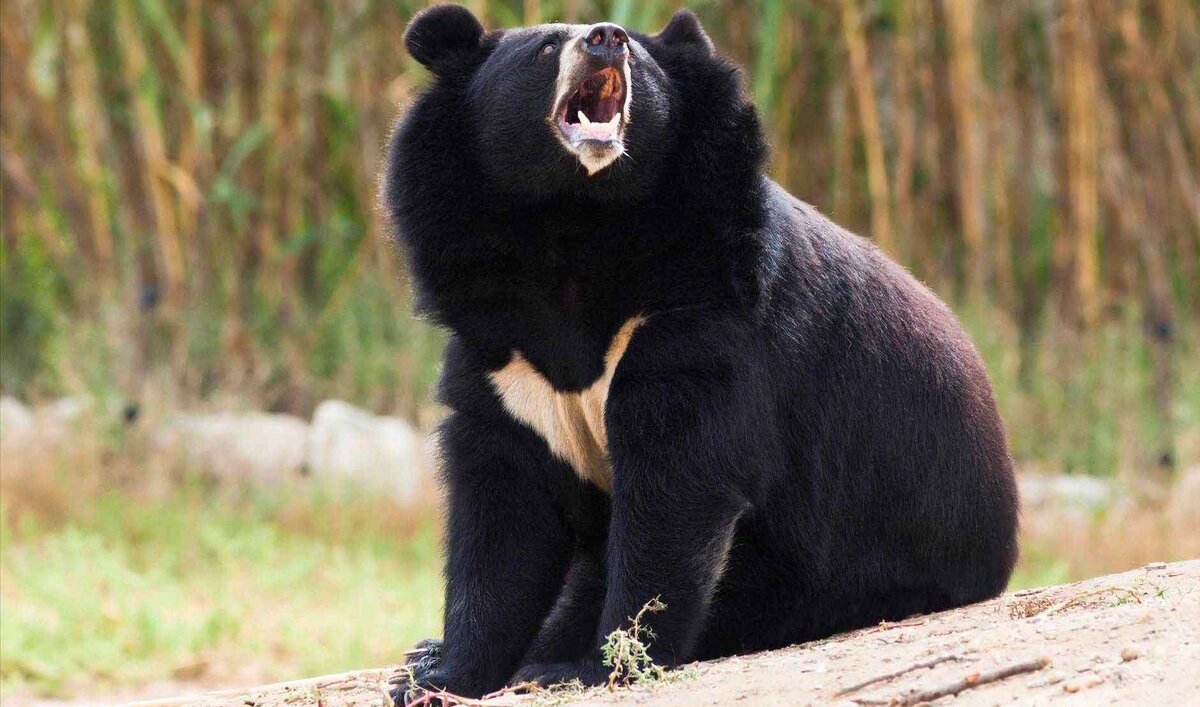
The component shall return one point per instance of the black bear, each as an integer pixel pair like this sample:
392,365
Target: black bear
666,377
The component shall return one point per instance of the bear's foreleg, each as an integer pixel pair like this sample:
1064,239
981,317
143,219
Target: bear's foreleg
507,552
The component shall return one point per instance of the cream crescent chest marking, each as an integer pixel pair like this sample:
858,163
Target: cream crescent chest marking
572,424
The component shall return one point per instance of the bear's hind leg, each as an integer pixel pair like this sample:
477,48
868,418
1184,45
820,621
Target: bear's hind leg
570,629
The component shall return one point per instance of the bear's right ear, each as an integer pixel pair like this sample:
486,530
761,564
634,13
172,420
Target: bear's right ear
442,36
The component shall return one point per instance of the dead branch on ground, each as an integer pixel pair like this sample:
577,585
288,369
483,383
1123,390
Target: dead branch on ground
927,663
918,696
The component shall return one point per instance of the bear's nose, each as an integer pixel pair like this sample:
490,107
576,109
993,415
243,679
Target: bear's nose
607,40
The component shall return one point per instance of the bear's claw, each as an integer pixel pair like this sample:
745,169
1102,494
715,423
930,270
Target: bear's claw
419,674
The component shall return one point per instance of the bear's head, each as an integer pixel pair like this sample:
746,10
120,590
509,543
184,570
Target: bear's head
558,108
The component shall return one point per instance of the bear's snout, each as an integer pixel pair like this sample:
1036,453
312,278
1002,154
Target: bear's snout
607,41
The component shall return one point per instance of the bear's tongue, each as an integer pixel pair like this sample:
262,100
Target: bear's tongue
594,111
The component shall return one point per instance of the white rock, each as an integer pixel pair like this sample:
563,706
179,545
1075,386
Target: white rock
243,447
351,445
1083,492
65,413
15,419
41,431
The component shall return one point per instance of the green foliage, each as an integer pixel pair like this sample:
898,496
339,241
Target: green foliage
32,302
1084,408
129,590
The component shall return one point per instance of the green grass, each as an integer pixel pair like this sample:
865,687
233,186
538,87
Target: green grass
194,586
1039,567
1087,407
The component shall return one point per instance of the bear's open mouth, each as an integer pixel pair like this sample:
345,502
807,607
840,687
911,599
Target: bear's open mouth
594,110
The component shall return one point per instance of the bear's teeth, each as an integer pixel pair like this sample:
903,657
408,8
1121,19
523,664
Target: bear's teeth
584,119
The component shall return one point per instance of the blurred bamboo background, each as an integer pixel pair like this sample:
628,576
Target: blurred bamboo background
189,194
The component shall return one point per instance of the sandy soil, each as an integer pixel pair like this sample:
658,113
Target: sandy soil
1131,638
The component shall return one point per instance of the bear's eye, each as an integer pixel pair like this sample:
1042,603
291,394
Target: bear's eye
548,48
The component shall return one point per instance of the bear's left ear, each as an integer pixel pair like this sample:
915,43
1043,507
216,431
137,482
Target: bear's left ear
684,29
443,36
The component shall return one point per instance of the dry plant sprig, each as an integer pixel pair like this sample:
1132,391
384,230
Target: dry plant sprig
625,650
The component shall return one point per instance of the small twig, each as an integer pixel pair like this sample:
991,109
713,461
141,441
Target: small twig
443,698
1080,597
928,663
519,688
893,625
914,697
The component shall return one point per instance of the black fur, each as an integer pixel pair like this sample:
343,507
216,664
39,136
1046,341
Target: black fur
803,439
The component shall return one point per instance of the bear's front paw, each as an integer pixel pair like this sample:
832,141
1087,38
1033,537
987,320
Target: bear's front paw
419,674
587,671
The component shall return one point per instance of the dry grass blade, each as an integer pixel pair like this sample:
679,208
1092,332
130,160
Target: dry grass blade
518,689
1054,609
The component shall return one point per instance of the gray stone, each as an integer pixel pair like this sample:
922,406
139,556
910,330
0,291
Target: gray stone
239,447
64,413
16,420
41,431
348,445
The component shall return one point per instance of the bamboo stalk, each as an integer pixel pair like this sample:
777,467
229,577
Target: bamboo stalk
1129,199
788,90
1030,289
843,159
1148,68
999,150
154,153
933,159
194,160
571,10
905,68
942,144
273,83
964,76
533,12
1082,144
1002,211
868,114
89,126
22,126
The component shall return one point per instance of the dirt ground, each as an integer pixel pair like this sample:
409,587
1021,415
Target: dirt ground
1131,638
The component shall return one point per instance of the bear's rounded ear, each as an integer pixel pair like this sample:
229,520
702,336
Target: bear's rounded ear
443,35
684,29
